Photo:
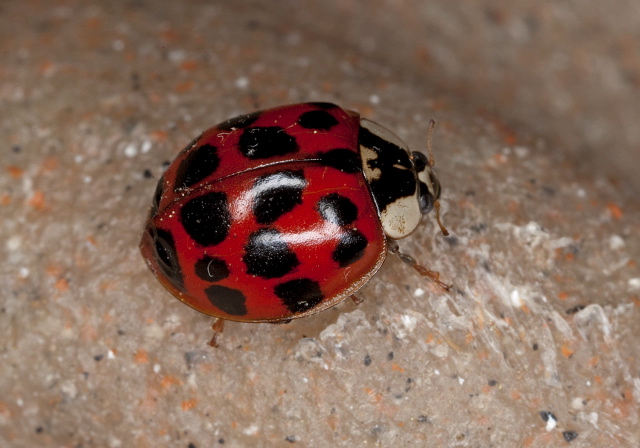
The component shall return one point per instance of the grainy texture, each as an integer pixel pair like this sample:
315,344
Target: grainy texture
537,153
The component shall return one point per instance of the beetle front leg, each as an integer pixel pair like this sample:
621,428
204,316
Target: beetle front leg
434,276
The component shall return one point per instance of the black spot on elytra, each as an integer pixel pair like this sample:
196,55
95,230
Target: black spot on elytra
198,164
397,179
299,295
350,248
341,159
239,122
167,256
323,105
157,196
268,255
276,194
337,209
317,119
231,301
206,218
211,269
265,142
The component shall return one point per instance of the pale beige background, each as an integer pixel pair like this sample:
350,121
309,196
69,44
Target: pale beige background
537,151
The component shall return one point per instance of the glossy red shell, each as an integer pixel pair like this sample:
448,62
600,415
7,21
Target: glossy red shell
267,217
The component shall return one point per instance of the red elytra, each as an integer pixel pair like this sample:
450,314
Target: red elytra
283,213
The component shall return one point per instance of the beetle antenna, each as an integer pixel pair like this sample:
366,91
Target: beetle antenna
432,127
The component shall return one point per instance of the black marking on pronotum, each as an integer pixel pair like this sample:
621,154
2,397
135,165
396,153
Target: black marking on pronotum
299,295
276,194
397,178
198,164
267,255
207,218
266,141
229,300
211,269
167,256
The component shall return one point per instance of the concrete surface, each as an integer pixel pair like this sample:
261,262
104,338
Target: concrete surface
537,151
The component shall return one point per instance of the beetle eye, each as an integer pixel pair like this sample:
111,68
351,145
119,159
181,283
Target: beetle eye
420,161
425,199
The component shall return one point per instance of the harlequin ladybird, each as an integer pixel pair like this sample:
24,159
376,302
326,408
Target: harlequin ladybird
285,212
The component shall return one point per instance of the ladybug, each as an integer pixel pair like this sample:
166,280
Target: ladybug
285,212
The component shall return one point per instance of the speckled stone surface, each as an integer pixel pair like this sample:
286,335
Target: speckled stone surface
537,151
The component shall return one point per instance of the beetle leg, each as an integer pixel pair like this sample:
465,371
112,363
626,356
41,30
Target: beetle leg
356,300
218,328
434,276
